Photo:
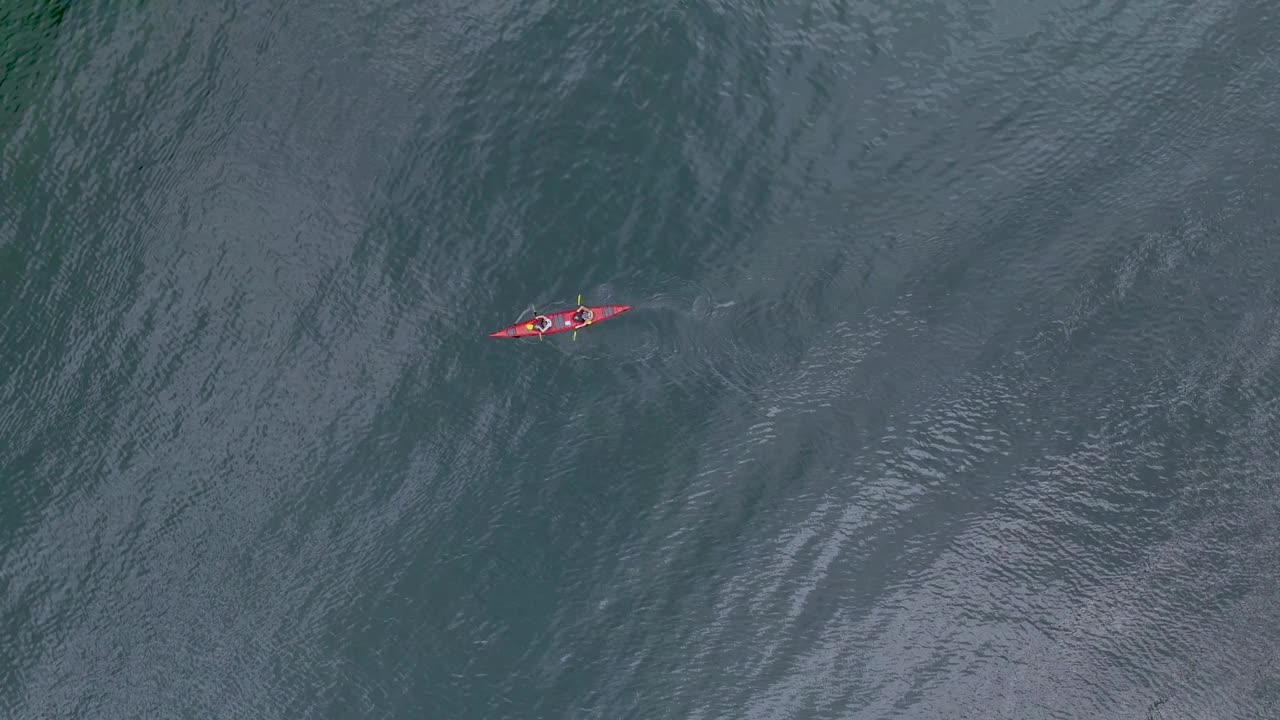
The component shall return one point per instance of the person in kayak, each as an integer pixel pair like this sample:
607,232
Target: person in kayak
542,323
583,316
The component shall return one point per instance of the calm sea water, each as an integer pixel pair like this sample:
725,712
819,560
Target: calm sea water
950,390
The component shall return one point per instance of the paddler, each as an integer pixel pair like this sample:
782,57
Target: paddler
583,316
542,323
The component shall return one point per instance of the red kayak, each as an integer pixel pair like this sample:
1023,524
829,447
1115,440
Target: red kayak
559,321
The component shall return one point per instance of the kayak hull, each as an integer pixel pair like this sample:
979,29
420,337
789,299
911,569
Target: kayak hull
561,321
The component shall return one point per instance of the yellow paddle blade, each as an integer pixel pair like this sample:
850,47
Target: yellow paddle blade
579,298
575,336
